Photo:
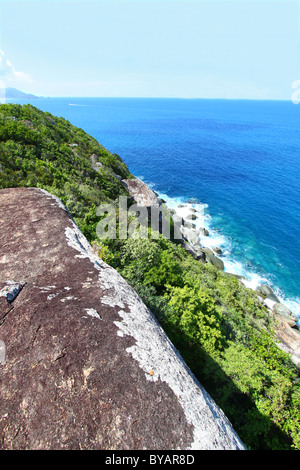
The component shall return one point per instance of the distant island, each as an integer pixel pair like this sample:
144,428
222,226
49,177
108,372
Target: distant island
17,94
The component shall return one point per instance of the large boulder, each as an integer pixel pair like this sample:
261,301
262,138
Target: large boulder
284,312
267,292
288,340
211,258
84,363
141,193
191,235
194,250
207,251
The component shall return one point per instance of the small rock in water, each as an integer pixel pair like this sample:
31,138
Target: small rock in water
204,231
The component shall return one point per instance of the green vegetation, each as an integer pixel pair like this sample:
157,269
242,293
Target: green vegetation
225,335
40,150
221,329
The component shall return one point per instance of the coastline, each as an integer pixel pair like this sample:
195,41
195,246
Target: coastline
207,243
191,226
212,238
202,238
232,252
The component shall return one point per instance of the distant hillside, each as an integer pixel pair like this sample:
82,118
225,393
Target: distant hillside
14,93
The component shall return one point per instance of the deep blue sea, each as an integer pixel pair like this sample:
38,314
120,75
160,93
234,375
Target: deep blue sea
239,158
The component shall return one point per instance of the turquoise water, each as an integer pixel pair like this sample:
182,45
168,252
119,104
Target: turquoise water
239,158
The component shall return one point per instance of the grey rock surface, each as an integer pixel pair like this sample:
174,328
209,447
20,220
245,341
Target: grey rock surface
141,193
285,313
87,365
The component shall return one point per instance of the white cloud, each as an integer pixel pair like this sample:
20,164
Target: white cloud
8,72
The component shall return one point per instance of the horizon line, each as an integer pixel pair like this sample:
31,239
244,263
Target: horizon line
146,97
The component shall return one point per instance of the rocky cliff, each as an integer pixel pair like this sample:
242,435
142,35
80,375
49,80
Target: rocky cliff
86,364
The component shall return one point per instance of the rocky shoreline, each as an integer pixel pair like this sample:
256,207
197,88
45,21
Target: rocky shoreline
193,237
288,329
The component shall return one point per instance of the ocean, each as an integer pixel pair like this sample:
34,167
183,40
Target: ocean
238,160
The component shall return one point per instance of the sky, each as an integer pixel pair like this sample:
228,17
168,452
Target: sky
237,49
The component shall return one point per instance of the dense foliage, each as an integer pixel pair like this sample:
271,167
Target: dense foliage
41,150
221,328
223,332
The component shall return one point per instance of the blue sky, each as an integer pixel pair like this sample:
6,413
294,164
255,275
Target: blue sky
151,48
